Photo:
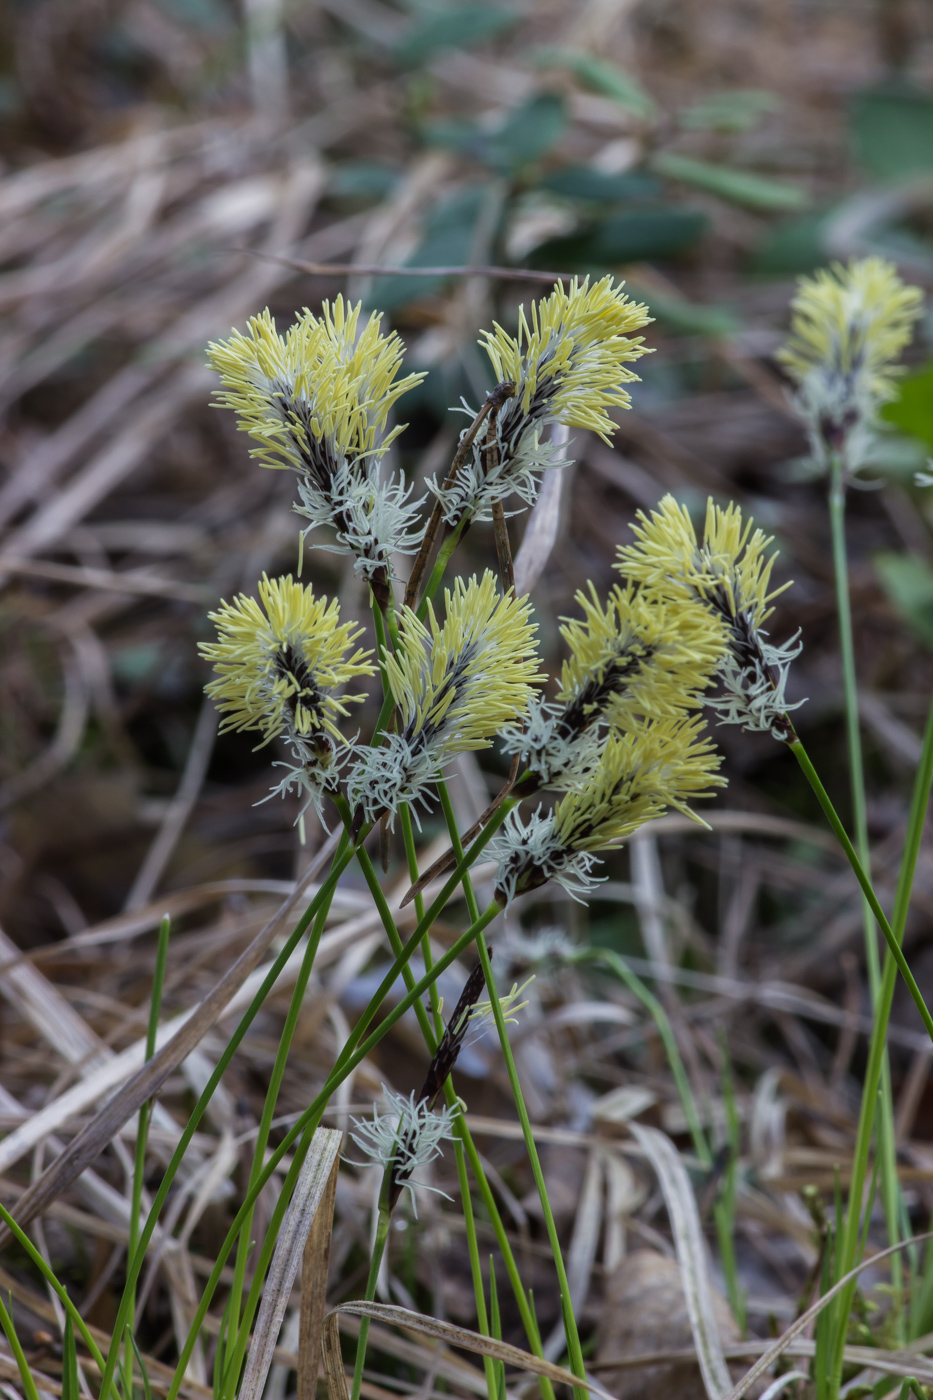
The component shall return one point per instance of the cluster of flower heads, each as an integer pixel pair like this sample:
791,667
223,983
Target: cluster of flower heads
622,738
623,741
569,366
849,326
318,400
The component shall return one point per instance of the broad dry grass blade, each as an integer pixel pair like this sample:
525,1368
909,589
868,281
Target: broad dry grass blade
443,1332
314,1264
298,1240
543,524
691,1256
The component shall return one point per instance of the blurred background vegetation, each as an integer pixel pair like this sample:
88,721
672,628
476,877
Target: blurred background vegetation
165,164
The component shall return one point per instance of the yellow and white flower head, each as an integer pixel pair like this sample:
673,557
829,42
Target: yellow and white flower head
569,365
849,326
280,663
317,401
638,655
729,575
656,764
455,684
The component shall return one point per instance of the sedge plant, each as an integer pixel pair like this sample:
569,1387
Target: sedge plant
622,734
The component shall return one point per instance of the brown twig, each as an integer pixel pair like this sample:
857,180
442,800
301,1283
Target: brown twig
493,402
516,274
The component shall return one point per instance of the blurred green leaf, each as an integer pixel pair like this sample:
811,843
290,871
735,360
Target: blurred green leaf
526,135
603,77
687,317
795,245
201,14
737,186
912,412
739,110
892,131
622,238
362,179
529,132
447,242
459,27
908,582
584,183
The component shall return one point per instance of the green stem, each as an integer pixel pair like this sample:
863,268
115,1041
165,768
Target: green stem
142,1130
890,1193
301,1133
573,1337
440,565
347,1061
19,1356
574,1348
237,1336
375,1263
529,1321
135,1263
842,837
848,1246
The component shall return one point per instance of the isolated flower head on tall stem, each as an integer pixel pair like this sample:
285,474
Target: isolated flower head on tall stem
569,363
317,401
655,765
848,328
281,662
729,573
454,684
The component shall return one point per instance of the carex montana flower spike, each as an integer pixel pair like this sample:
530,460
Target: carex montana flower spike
281,662
317,401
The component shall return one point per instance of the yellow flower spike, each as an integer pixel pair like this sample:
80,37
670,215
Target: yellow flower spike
660,764
654,765
280,659
455,684
574,354
729,572
320,392
849,325
569,365
469,675
638,654
730,576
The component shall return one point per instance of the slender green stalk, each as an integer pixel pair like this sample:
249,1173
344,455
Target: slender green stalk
842,837
890,1193
19,1356
346,1063
379,1246
848,1244
301,1133
142,1130
440,565
574,1348
573,1337
240,1342
134,1264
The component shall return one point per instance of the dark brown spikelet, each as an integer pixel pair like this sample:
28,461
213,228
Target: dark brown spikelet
445,1056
